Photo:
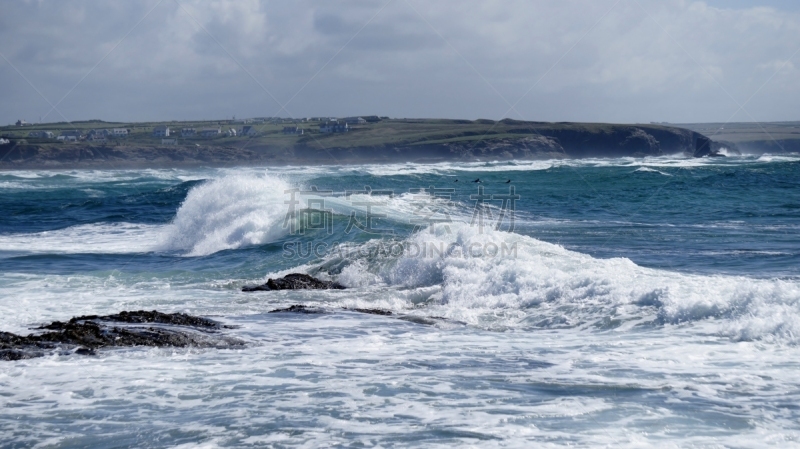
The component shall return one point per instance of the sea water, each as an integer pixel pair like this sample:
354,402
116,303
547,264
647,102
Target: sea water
610,302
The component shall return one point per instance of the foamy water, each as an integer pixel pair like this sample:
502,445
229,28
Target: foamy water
590,324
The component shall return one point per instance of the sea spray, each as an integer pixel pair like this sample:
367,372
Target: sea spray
228,213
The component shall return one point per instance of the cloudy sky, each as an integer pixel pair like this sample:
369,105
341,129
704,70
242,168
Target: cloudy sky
566,60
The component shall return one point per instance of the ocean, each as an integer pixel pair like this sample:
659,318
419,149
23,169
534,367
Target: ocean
600,302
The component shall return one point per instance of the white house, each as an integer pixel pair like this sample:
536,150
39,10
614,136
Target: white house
231,132
119,132
249,131
161,131
188,132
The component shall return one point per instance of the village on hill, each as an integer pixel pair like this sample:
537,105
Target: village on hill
174,133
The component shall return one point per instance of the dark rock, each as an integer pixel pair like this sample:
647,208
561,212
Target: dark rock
371,311
298,308
138,328
143,316
256,288
430,320
703,147
294,281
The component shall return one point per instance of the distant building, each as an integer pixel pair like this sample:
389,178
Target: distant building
231,132
249,131
333,127
210,132
119,132
161,131
21,123
188,132
292,130
71,133
4,141
97,135
41,134
169,141
355,121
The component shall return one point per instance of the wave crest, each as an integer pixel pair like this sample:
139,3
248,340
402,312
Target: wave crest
228,213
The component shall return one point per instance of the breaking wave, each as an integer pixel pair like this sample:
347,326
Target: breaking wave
520,281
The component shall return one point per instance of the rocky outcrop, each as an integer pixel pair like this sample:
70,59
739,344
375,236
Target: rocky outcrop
702,147
298,308
294,281
381,312
85,334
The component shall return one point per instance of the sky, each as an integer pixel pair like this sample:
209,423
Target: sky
619,61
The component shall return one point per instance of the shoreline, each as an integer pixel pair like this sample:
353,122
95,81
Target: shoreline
387,141
136,164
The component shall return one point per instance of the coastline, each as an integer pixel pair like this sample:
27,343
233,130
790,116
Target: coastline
390,141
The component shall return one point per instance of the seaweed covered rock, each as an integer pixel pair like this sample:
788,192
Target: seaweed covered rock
85,334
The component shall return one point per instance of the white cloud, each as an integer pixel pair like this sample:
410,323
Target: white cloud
674,60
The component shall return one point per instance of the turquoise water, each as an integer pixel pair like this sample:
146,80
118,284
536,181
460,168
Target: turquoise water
632,302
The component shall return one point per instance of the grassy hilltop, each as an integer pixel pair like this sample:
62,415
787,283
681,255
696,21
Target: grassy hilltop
379,140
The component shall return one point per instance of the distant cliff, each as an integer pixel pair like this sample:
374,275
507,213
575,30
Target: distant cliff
385,142
529,140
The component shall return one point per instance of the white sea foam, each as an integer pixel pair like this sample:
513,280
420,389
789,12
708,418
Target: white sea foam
347,378
241,210
788,157
650,170
540,284
98,238
228,213
451,168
